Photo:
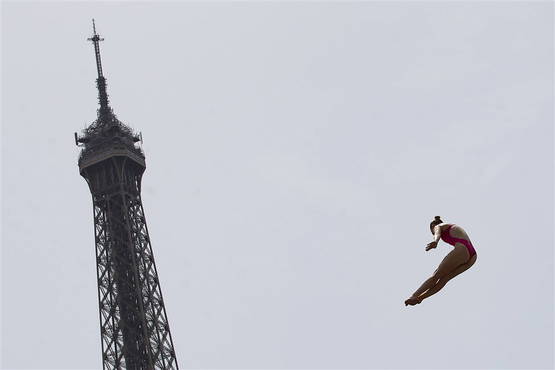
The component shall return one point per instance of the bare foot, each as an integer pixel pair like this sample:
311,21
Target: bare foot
412,301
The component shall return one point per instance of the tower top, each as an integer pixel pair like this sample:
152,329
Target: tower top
106,134
100,81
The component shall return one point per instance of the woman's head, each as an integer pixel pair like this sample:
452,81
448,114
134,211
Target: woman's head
436,221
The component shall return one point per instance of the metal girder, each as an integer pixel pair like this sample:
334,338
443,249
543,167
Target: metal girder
134,328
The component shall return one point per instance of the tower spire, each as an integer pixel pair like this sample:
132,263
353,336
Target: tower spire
100,81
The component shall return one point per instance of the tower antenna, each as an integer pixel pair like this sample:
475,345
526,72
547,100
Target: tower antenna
100,81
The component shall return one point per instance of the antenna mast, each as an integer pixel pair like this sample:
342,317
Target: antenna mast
100,81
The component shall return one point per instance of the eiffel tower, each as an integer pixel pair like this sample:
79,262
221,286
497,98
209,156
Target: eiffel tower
134,328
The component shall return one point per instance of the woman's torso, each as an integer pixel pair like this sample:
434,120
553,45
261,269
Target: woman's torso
454,234
451,232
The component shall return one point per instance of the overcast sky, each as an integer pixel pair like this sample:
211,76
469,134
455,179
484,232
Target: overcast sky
296,153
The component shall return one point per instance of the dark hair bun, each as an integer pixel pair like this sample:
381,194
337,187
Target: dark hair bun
438,219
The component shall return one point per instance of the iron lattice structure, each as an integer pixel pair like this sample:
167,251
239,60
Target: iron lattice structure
133,323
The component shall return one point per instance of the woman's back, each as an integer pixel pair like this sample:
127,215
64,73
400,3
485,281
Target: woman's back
455,231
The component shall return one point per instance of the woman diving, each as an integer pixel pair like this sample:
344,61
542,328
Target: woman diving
460,259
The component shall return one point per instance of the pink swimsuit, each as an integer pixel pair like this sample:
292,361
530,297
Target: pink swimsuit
447,238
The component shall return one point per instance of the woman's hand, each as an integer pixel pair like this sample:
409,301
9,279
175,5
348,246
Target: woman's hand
431,245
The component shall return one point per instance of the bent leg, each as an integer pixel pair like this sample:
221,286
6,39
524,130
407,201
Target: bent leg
441,283
453,259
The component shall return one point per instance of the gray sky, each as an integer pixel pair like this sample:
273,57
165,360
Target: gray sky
296,153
